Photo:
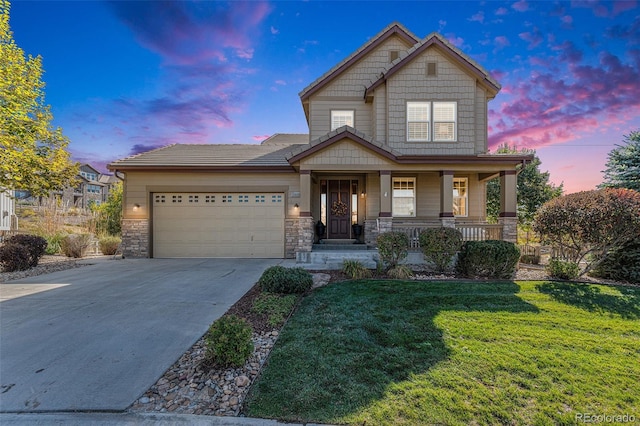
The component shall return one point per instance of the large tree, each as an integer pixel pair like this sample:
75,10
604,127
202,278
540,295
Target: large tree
623,164
533,187
33,155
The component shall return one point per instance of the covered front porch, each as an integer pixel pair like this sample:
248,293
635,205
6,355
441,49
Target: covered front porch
353,189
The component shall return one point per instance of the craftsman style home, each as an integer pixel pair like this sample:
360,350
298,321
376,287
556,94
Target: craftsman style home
397,141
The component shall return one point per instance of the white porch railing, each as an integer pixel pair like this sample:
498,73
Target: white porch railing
469,231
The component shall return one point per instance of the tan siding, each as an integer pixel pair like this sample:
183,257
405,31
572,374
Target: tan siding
380,113
481,120
451,83
353,81
345,153
428,195
321,115
140,184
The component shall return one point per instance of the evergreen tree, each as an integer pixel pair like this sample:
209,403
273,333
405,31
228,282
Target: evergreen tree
623,164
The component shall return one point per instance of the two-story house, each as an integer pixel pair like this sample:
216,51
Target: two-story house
397,140
91,187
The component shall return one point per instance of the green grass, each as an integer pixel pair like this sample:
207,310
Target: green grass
275,306
409,352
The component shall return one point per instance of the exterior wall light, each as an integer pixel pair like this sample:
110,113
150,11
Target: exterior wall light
296,205
136,206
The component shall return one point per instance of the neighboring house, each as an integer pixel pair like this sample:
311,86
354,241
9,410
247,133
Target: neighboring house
91,187
397,140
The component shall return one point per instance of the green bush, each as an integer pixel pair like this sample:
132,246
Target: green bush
229,342
276,306
355,270
393,248
54,243
440,245
109,245
36,247
400,272
278,279
621,264
488,259
75,245
14,257
563,270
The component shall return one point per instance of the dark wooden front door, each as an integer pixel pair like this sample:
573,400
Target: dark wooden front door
339,225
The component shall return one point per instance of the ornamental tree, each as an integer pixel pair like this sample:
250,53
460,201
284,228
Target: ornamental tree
623,164
587,226
33,154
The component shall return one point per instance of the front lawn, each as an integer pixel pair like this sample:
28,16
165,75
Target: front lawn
411,352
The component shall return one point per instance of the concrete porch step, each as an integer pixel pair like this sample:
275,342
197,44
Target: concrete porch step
332,259
339,247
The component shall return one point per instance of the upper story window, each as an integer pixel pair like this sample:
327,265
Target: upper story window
341,118
95,189
404,197
90,176
460,197
418,117
443,115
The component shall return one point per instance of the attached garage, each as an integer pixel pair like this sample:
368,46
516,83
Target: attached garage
218,224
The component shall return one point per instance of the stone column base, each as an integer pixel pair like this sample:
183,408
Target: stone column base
306,234
448,222
135,238
509,228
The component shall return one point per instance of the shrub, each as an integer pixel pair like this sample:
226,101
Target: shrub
488,259
75,245
229,342
393,248
109,245
277,307
587,225
355,270
561,269
440,245
621,264
14,257
35,245
278,279
54,243
400,272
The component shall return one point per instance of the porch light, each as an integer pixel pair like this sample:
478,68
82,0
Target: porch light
362,194
296,205
136,206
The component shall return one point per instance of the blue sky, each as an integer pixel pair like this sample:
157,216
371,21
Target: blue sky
126,76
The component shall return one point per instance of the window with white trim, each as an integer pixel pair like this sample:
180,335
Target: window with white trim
418,117
341,118
460,197
404,197
444,121
443,115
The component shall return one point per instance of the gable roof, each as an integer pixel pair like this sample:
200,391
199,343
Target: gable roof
435,39
394,28
213,157
337,135
287,139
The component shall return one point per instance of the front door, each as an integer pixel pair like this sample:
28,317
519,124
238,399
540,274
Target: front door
339,209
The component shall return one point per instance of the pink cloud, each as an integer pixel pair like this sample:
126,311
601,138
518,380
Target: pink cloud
623,6
534,38
520,6
500,42
501,11
549,108
260,138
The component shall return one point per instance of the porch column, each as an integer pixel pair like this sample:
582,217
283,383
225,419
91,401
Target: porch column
508,217
386,194
446,199
305,221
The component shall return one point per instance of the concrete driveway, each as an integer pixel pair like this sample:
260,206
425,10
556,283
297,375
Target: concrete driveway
97,337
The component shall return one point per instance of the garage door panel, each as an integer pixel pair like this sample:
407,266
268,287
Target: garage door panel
218,225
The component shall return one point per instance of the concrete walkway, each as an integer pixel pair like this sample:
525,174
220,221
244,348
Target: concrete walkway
96,338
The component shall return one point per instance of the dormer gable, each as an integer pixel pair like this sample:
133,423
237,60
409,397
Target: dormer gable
453,53
393,30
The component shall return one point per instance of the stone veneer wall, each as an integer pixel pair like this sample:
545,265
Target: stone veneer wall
509,228
306,234
135,237
375,227
290,238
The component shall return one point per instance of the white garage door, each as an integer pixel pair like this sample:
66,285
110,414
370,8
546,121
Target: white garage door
218,225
